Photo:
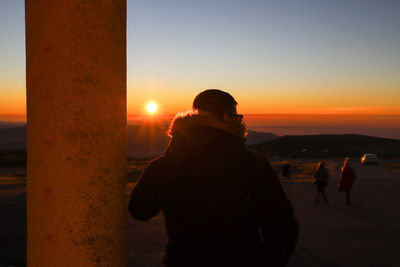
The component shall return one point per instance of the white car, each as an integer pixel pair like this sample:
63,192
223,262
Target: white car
369,159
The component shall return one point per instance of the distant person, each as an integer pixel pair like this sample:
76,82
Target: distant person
346,180
223,205
321,176
285,169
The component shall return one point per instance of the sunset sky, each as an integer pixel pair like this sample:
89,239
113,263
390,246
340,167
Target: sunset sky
315,57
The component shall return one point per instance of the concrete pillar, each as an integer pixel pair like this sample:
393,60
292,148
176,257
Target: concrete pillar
76,112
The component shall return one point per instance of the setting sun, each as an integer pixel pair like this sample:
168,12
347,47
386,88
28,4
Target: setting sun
151,107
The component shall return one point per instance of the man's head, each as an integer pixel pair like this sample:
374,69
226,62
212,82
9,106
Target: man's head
216,102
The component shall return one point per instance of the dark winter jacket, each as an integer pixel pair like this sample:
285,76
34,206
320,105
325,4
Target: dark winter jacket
217,197
321,177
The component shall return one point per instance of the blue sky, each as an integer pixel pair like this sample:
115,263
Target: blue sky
275,56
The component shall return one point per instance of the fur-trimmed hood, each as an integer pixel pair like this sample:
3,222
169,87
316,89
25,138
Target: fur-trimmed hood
184,121
195,135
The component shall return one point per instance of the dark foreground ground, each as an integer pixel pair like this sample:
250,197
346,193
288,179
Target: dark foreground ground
364,234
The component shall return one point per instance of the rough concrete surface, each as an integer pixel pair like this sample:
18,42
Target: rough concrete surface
76,119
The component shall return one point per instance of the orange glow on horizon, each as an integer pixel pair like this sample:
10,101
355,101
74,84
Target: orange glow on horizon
13,117
13,104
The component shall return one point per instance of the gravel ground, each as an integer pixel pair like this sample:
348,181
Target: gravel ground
366,233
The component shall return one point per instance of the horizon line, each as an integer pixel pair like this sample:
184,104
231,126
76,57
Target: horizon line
22,117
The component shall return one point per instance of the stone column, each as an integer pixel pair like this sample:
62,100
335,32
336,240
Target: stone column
76,112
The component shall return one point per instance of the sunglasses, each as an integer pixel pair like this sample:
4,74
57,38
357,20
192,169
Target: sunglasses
236,116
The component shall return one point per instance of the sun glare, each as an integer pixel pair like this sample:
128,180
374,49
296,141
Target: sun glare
151,107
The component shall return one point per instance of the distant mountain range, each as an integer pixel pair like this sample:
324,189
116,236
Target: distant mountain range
12,137
254,137
144,140
147,141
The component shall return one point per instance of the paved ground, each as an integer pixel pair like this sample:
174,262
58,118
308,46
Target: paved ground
364,234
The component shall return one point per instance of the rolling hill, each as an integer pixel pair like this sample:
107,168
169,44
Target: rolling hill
321,146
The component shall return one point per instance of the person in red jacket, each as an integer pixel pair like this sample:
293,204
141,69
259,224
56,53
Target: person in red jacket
346,180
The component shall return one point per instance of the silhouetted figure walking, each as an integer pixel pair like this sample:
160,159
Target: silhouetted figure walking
216,196
346,180
321,176
285,169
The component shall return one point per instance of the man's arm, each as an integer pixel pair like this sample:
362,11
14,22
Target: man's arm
144,202
275,215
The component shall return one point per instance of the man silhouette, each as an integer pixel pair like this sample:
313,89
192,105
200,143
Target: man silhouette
223,204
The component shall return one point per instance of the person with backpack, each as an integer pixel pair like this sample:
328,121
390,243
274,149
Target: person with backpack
223,204
321,176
